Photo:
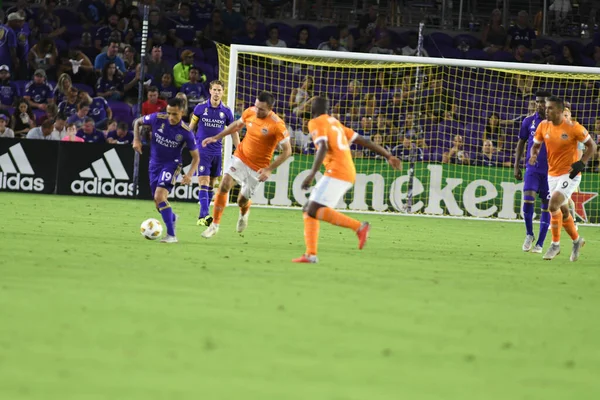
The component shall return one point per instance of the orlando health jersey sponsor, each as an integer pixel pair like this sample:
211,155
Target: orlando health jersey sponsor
168,140
211,121
527,132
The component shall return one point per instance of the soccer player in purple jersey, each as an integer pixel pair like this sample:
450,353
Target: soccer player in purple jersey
536,176
169,135
210,118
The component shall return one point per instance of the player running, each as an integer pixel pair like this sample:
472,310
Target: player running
332,140
564,168
169,135
251,162
210,117
536,176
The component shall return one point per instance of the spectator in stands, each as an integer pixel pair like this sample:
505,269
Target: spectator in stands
493,132
333,44
8,90
92,12
215,31
23,119
111,125
570,56
154,103
182,31
250,36
194,90
156,66
349,104
99,111
157,29
17,24
62,88
46,23
43,55
202,12
89,133
386,129
382,46
60,123
408,149
494,35
411,47
110,84
104,34
273,40
368,21
303,39
39,93
111,56
166,89
412,129
71,134
51,113
86,46
122,135
301,97
488,157
545,55
181,70
69,105
520,54
8,49
131,87
233,20
83,109
43,132
456,154
521,33
183,97
346,39
129,58
366,129
133,36
5,132
377,139
369,106
21,7
523,84
78,66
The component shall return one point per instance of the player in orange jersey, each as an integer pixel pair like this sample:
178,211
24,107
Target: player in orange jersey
332,140
564,167
251,162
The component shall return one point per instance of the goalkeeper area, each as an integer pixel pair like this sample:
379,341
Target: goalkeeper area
432,308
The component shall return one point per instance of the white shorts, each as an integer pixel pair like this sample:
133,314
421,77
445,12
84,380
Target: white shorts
563,184
245,176
329,191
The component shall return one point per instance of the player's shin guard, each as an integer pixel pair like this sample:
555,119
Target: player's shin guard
167,215
569,226
337,218
555,225
204,197
311,234
528,203
219,207
544,225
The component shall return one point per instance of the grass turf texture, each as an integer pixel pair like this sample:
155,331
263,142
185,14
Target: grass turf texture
431,309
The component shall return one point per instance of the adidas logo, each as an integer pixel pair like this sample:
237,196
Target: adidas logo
183,192
106,176
13,168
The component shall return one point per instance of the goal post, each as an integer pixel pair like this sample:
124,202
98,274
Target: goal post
461,123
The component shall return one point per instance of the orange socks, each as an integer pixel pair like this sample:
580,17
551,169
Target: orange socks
337,218
555,225
245,209
219,206
569,226
311,234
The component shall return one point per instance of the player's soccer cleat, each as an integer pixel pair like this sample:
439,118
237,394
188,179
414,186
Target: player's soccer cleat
552,252
206,221
306,259
528,243
210,231
363,234
577,245
536,249
242,223
169,239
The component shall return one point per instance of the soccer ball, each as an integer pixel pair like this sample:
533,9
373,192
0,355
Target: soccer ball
151,229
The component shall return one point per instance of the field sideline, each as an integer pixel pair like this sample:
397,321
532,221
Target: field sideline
431,309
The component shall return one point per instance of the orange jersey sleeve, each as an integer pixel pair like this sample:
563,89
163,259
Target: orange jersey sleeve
561,144
262,137
338,160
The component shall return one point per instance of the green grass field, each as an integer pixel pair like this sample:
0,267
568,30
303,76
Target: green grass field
431,309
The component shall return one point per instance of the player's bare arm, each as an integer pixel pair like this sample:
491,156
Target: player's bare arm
393,161
579,166
235,137
193,123
535,149
137,142
187,178
318,161
518,155
234,127
286,151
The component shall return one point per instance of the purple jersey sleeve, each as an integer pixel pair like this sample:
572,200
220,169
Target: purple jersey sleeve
149,119
197,111
229,118
190,141
524,131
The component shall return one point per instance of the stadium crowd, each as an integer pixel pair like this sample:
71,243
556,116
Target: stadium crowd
70,71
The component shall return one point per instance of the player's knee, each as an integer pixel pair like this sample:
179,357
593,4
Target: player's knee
312,210
242,201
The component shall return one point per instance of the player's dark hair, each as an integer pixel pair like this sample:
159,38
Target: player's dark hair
557,100
266,97
543,93
216,82
176,102
320,106
124,126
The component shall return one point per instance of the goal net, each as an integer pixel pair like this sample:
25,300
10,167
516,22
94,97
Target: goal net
454,123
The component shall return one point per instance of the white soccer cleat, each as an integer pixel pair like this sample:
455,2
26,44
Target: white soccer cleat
210,231
169,239
536,249
528,243
552,252
242,223
577,245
